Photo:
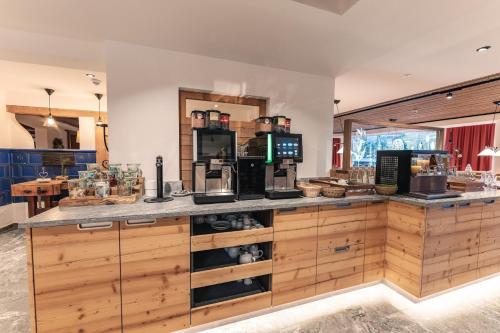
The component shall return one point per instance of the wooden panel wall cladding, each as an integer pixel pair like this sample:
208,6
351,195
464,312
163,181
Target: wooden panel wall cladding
376,229
77,279
489,239
155,270
294,254
245,130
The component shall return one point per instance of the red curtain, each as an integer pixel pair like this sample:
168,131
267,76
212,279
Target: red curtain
336,157
470,140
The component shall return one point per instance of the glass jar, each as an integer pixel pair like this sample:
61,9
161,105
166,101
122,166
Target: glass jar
224,121
263,125
74,189
197,119
101,189
212,119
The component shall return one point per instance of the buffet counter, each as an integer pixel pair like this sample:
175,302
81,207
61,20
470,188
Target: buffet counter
161,267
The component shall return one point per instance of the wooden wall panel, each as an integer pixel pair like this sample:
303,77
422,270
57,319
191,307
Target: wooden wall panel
489,240
376,230
244,130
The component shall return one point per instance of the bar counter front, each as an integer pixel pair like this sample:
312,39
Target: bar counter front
161,267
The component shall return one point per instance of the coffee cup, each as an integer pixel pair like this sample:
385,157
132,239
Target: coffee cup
256,254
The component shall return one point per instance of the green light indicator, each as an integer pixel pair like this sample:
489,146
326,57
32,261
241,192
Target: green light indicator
269,149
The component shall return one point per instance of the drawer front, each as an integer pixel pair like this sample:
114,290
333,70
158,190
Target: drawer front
226,274
34,190
155,274
343,268
342,234
294,254
406,218
226,309
333,214
77,278
232,238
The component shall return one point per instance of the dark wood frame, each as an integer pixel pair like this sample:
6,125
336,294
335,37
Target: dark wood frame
185,142
346,157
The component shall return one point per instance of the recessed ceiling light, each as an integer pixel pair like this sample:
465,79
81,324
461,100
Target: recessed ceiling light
406,75
216,106
483,48
90,75
449,95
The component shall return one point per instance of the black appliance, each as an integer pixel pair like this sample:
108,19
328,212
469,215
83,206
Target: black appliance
214,159
282,152
251,177
414,173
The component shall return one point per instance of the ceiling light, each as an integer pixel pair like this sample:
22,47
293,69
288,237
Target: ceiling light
341,150
483,48
449,95
50,121
90,75
406,75
491,151
99,121
216,106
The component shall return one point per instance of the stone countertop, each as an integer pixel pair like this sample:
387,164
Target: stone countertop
185,206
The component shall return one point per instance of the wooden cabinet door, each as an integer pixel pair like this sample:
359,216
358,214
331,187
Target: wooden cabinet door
76,273
294,254
155,275
341,238
376,229
489,243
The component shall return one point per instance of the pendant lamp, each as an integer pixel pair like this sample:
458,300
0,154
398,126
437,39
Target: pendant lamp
336,104
50,121
491,151
99,120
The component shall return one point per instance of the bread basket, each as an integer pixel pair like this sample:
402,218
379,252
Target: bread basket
386,189
333,192
309,190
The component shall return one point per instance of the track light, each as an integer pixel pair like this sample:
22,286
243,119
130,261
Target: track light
449,95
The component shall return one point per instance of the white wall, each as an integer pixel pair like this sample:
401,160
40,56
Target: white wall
87,132
143,103
12,134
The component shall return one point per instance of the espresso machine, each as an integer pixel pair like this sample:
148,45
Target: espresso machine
418,173
214,159
282,152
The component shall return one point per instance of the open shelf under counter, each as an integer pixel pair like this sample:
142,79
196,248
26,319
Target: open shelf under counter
229,290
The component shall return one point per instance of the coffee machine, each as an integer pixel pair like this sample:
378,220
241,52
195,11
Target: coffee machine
282,152
214,159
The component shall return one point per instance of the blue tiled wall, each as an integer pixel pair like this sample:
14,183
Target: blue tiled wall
21,165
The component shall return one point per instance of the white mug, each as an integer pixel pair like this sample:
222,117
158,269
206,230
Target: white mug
257,254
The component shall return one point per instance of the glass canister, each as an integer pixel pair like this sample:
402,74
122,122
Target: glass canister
263,125
224,121
197,119
212,119
279,124
288,125
102,189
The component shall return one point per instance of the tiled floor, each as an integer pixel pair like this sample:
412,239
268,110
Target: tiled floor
474,309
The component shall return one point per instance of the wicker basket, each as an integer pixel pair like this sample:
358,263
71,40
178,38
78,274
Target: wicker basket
309,190
333,192
386,189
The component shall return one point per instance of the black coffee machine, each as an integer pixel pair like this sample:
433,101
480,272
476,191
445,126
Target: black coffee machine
251,177
214,159
282,152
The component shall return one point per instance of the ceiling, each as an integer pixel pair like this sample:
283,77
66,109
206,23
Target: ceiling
368,46
24,83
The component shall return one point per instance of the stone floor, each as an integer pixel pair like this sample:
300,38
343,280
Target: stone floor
475,308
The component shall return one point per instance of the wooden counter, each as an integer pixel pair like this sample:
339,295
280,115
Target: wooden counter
142,275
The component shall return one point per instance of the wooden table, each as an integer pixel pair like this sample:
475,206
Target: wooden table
38,194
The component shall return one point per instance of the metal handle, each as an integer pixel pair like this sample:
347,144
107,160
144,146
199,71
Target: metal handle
139,222
344,204
377,202
489,202
448,206
95,225
27,191
464,204
291,209
341,249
